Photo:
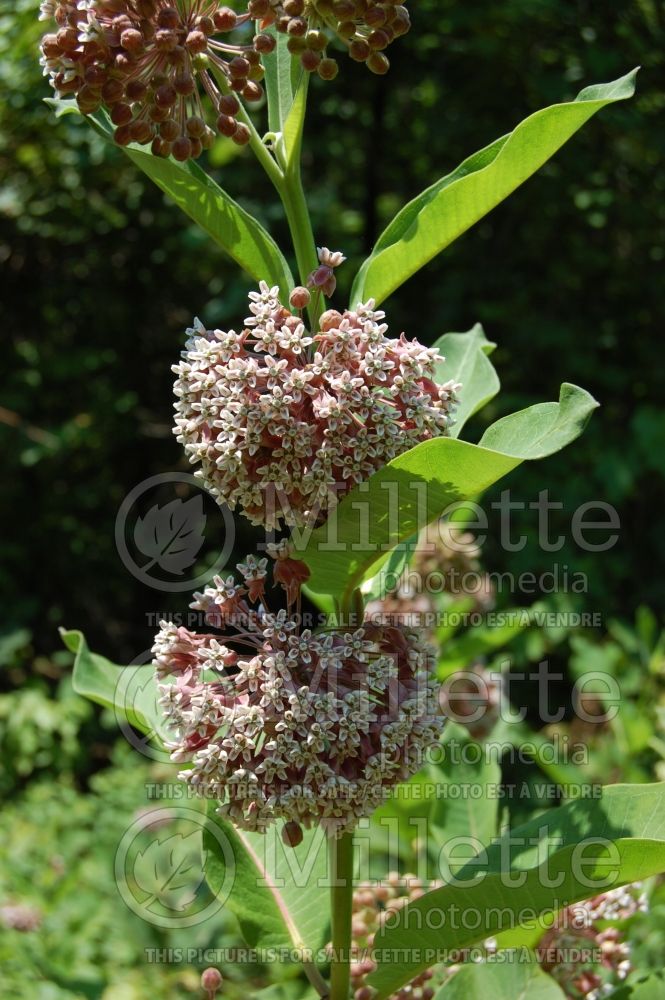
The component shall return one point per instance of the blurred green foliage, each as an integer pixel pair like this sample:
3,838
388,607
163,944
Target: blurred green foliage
100,277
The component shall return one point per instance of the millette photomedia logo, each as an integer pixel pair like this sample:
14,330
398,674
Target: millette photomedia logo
160,532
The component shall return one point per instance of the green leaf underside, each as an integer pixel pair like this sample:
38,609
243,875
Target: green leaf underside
619,836
434,219
473,815
515,979
467,361
207,204
286,84
131,691
295,914
416,487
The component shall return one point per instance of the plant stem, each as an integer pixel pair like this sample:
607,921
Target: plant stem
300,226
341,898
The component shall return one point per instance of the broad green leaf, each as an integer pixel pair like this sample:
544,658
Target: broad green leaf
466,802
204,201
542,429
651,987
418,486
467,361
558,858
130,690
276,894
434,219
509,979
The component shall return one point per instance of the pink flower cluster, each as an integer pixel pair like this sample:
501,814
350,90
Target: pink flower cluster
283,422
286,723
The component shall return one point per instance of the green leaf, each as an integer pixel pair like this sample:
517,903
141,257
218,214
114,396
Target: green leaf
204,201
542,429
229,225
280,82
418,486
558,858
467,801
467,361
131,691
276,896
286,84
434,219
510,979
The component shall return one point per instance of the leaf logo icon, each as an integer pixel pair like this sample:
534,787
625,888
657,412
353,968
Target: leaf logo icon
170,871
172,535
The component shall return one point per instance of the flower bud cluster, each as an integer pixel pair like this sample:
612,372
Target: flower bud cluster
149,61
283,421
364,27
278,722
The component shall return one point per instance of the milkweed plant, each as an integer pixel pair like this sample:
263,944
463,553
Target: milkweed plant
342,438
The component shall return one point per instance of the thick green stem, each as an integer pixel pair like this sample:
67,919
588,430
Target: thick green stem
300,226
341,900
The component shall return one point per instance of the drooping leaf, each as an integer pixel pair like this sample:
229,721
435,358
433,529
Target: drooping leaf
171,535
204,201
129,690
542,429
510,979
467,361
276,896
418,486
435,218
558,858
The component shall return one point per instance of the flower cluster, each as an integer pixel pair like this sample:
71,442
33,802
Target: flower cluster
286,723
149,61
283,422
585,950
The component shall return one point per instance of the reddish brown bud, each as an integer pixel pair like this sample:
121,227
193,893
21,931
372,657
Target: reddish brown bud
328,69
196,41
182,149
238,67
136,90
359,50
292,834
169,129
378,63
241,136
226,125
132,40
264,43
168,17
225,19
299,298
211,980
184,84
121,114
310,60
252,92
229,105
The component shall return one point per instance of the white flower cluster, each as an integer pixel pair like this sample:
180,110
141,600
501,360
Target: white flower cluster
283,423
309,728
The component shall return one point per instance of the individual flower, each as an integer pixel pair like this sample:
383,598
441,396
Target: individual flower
284,421
150,61
279,722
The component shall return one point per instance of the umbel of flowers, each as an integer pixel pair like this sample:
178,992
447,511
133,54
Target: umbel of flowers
150,62
283,421
283,723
